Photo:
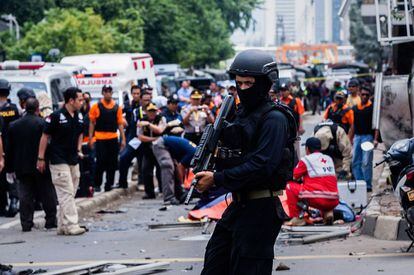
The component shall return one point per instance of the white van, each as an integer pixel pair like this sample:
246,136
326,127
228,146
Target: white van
35,76
120,70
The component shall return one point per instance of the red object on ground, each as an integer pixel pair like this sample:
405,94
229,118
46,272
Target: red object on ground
215,212
296,192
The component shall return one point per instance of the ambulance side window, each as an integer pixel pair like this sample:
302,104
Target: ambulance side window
57,93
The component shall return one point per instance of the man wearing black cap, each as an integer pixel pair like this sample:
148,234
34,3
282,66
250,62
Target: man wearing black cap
256,158
319,188
105,120
23,94
9,113
171,112
173,118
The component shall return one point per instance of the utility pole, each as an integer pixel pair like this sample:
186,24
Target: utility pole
12,20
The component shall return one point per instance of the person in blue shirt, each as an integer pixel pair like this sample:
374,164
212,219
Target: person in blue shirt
171,111
168,149
173,118
184,93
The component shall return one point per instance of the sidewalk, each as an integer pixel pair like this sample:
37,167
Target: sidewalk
86,206
383,215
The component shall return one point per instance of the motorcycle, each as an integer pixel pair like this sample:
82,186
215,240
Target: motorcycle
400,158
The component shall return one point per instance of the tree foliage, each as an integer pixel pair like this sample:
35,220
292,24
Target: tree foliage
26,10
72,32
190,32
186,32
363,37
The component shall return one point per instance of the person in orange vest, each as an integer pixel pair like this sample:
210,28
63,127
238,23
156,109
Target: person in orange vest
105,120
295,104
339,112
360,132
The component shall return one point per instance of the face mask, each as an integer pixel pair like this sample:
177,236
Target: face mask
252,97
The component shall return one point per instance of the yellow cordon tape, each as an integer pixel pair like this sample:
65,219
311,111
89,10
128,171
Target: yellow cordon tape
311,79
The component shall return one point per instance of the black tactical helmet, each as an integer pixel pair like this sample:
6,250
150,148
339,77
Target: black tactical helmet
4,87
254,63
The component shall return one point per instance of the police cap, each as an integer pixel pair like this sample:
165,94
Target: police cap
152,107
196,94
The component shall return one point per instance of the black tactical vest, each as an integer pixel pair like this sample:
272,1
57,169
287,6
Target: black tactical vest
9,113
107,120
336,116
241,135
146,130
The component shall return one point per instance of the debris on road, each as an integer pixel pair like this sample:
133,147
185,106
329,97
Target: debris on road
119,211
13,242
175,226
104,267
282,267
311,234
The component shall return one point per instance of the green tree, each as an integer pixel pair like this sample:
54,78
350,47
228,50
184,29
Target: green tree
363,37
189,32
237,13
26,10
69,30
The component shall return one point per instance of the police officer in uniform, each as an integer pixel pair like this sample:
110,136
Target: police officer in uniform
263,132
9,113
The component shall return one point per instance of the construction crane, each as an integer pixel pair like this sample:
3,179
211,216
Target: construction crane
301,53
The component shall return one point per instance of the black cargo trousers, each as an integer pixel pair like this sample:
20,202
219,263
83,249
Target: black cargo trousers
244,239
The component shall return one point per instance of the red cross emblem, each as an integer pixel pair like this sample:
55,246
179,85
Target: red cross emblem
323,161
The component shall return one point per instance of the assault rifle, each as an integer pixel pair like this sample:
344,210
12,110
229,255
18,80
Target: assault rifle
203,159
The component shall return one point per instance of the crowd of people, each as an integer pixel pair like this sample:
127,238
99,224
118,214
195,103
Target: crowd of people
51,159
334,152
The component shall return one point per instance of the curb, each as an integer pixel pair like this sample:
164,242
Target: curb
86,206
380,226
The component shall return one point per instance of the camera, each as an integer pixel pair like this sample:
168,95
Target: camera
199,108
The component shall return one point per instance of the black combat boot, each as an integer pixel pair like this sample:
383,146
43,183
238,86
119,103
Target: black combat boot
13,208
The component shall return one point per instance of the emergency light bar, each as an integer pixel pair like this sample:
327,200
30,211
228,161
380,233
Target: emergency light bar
17,65
96,75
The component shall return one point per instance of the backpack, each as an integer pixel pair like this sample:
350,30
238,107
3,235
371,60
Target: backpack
292,105
289,158
343,212
333,149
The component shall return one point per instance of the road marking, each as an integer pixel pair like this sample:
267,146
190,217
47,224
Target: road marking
187,260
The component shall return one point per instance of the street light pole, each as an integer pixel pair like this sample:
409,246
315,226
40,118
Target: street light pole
12,20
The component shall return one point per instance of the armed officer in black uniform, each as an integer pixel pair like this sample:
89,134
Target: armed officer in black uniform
9,113
259,146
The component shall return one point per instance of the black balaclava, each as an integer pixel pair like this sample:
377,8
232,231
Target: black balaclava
254,96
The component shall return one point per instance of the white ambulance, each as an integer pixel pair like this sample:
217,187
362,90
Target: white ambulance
38,77
120,70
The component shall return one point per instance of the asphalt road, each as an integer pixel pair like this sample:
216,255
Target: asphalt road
125,236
